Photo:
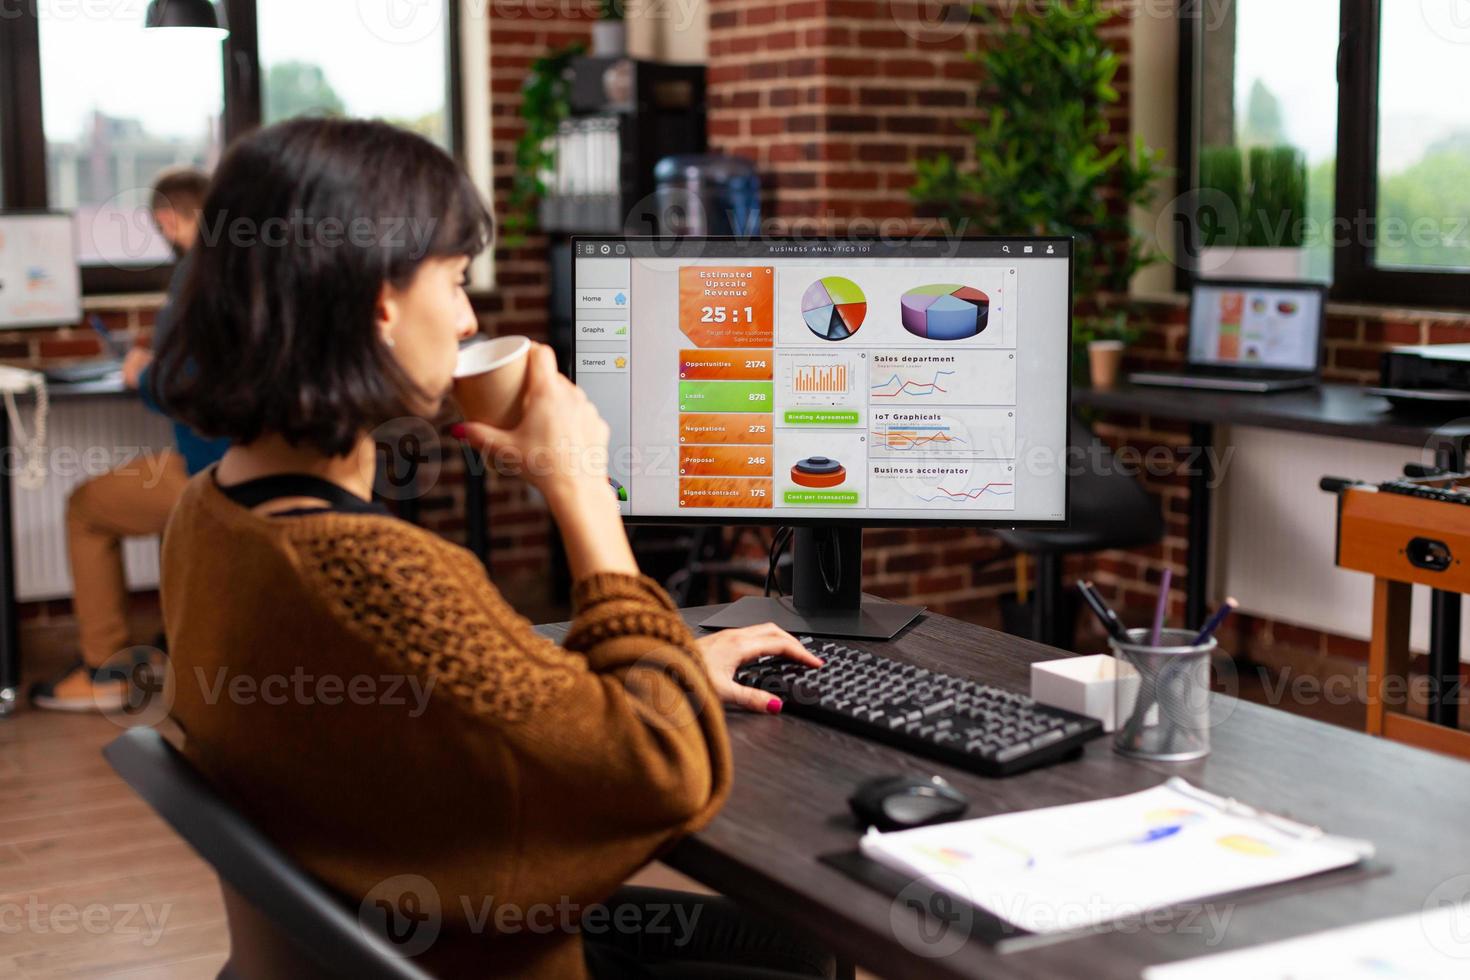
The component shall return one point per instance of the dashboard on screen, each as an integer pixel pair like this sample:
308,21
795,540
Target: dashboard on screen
1259,325
874,381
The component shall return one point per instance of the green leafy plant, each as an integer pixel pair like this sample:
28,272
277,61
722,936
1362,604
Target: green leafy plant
545,104
1222,169
1266,187
1278,197
1042,164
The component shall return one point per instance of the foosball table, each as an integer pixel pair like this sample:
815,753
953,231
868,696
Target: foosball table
1407,532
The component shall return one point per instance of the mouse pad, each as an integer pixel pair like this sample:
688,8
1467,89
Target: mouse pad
942,911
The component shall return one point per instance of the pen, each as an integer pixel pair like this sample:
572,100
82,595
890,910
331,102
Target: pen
1213,623
108,340
1105,615
1161,610
1148,837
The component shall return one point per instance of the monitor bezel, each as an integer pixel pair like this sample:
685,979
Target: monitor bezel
876,523
1319,288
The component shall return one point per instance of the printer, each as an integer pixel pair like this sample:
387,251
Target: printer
1422,375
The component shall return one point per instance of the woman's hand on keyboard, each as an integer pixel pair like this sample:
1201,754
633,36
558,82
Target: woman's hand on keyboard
727,650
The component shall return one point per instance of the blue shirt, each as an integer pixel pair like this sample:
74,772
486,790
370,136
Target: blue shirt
198,452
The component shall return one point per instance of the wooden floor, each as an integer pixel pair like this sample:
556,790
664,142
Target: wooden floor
92,884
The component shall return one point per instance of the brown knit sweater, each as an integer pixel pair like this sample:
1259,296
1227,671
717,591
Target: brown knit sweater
366,696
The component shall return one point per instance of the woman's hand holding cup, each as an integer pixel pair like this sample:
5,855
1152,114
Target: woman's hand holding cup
559,441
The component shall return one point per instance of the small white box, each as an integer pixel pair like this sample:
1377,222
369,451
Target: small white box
1085,685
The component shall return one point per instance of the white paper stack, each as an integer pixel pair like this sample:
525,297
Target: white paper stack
1084,864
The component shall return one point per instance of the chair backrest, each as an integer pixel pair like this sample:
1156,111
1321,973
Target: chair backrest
268,897
1109,506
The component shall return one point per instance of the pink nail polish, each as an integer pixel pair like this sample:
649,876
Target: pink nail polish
773,706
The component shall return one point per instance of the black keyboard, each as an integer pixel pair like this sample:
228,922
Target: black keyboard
964,723
1407,488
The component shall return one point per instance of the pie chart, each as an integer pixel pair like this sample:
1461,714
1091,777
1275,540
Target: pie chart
945,311
834,308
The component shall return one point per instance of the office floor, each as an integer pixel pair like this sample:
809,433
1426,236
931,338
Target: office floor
99,886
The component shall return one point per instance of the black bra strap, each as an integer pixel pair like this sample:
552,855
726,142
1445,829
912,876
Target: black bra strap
253,493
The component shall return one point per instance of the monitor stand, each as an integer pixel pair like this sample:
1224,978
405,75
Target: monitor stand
827,597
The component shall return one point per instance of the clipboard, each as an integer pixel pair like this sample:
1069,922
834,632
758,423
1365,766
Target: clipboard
941,910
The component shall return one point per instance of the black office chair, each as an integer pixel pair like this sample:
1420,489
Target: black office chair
283,922
1110,510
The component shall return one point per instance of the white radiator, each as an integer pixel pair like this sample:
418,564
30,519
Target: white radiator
88,436
1276,532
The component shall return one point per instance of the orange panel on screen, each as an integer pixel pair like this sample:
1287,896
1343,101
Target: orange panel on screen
706,427
727,306
712,491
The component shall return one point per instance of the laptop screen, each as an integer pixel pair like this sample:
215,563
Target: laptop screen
1258,325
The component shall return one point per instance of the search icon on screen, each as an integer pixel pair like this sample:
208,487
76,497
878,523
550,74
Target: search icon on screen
1006,249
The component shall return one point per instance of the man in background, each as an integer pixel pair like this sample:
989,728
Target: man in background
135,499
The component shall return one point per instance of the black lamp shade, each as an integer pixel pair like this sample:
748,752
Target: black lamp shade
199,14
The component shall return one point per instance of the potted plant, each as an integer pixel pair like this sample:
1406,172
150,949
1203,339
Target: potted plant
1251,212
545,104
610,32
1040,165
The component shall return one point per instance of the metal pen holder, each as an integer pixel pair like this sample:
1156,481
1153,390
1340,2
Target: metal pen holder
1165,717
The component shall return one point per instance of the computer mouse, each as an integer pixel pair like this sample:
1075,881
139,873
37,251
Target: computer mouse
901,802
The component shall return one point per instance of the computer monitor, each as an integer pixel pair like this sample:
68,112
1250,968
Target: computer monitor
40,284
829,385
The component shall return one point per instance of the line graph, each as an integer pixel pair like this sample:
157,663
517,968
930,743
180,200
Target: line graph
941,432
927,480
954,377
995,489
897,386
915,437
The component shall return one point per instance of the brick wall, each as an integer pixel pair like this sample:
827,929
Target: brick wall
127,318
834,100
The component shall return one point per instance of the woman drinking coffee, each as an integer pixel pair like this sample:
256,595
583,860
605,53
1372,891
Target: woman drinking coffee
356,685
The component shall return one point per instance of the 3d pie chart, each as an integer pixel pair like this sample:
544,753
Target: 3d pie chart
945,311
834,308
818,471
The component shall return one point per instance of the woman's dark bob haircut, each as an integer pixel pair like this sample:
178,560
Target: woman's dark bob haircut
274,332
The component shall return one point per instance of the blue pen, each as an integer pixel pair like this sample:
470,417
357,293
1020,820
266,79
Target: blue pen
1214,621
117,350
1154,834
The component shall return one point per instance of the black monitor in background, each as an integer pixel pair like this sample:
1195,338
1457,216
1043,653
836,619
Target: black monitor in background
829,385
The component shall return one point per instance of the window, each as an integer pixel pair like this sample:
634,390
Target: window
147,101
1336,129
1423,154
94,106
369,69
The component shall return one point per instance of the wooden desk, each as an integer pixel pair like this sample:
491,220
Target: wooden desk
1336,410
792,779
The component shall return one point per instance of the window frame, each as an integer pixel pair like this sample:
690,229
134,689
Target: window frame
1356,277
23,177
